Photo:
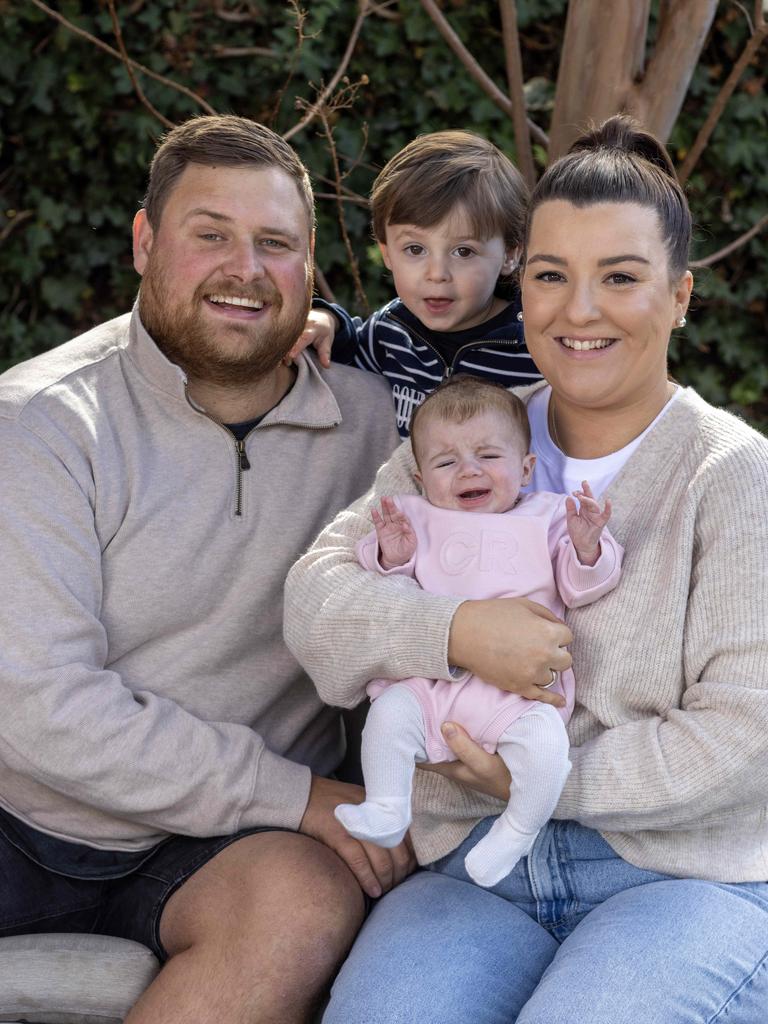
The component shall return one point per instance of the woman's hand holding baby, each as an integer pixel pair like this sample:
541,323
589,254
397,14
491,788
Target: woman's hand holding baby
475,768
513,643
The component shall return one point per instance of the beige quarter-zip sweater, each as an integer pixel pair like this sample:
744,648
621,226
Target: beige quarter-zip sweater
670,731
145,685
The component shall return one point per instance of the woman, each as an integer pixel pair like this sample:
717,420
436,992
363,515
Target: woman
645,898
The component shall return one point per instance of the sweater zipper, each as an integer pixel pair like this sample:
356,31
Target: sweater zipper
242,465
448,371
240,454
471,344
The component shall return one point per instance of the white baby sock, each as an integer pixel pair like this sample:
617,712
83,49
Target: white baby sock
383,822
535,749
494,856
393,739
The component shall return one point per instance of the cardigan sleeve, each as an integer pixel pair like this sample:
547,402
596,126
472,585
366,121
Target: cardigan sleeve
347,625
693,765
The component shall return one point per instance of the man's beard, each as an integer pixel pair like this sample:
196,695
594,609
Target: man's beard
183,336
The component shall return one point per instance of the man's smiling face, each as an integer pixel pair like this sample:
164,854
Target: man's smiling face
227,273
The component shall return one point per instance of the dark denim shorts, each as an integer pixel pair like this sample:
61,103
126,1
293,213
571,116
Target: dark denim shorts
51,885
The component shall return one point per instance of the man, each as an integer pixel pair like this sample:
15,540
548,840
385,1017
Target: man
159,476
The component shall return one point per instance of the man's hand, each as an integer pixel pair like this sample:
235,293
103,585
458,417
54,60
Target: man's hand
397,541
319,331
475,768
377,870
586,522
511,642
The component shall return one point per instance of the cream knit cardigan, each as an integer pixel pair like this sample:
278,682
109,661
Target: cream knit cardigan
670,732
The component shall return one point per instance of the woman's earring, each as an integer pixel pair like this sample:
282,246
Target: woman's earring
681,321
520,316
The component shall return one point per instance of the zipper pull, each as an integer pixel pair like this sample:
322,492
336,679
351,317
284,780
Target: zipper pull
244,463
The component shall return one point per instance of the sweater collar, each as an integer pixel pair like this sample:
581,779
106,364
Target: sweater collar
309,403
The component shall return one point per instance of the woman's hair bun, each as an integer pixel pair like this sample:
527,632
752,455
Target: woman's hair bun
620,162
622,132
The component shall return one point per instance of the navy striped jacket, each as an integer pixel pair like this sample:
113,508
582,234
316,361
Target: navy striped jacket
394,343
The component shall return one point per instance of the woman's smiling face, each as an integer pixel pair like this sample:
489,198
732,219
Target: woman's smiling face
598,302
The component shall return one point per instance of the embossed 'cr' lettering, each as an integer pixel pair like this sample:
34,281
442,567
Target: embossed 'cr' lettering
498,550
488,551
457,553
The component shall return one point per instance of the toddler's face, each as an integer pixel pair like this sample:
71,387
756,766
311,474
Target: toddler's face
476,466
444,275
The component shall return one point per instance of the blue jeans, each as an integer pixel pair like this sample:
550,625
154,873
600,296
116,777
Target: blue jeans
574,935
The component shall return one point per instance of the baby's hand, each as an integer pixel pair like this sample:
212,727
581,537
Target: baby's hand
397,541
319,331
586,522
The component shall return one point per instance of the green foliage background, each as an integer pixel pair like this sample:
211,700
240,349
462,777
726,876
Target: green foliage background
76,143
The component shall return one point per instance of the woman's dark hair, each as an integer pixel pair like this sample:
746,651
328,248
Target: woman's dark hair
620,162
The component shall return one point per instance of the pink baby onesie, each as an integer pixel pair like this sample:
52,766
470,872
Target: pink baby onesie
525,552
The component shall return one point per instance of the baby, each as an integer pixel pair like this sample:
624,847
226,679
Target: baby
473,535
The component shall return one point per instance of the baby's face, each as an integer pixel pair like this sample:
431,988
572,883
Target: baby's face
476,466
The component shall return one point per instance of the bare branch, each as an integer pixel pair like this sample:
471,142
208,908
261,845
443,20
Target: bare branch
746,14
127,62
346,192
733,246
300,17
13,222
382,10
502,101
250,14
245,51
357,201
514,64
705,132
115,53
322,286
327,92
489,87
538,134
362,298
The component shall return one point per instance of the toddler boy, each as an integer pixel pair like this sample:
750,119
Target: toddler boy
448,213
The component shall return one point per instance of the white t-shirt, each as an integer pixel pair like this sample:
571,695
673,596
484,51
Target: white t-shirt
556,472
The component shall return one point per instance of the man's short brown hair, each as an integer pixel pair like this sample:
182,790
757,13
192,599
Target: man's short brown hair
431,176
460,398
220,140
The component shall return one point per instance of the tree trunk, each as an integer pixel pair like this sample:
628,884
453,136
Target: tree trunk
602,67
683,29
602,55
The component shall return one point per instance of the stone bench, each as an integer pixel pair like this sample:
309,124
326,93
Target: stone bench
72,979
